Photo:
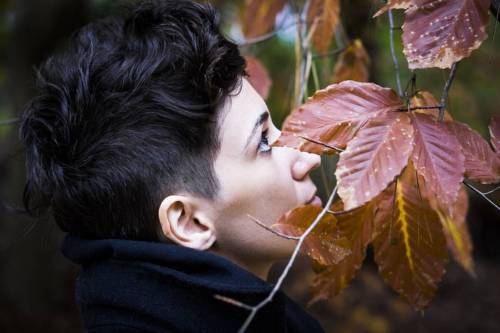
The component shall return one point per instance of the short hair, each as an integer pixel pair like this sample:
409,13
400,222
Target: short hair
127,115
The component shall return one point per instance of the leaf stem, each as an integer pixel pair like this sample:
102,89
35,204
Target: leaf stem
446,89
393,53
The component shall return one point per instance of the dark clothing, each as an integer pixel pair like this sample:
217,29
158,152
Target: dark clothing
137,286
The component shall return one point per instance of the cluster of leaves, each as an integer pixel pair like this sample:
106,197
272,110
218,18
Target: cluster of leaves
399,175
401,167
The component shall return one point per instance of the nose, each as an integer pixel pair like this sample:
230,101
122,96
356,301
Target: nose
305,164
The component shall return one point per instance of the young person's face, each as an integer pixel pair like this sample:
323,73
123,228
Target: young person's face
256,180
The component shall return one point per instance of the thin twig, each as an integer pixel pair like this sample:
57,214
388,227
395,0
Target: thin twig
233,301
393,53
447,86
329,53
492,191
482,194
9,121
277,286
267,36
272,230
322,144
413,108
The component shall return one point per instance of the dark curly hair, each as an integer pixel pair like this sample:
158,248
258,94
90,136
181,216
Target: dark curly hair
127,115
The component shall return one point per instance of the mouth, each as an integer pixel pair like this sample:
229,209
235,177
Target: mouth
315,200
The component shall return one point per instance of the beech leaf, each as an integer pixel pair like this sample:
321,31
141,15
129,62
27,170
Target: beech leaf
258,76
437,156
355,225
323,244
374,158
394,4
495,133
352,64
333,115
409,246
456,232
258,16
480,161
324,16
440,33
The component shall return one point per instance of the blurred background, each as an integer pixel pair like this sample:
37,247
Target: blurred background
37,282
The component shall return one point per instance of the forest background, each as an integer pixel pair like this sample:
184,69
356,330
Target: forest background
37,283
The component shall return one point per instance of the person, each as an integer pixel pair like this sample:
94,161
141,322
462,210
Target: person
151,150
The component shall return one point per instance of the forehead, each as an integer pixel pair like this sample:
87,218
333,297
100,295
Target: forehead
239,115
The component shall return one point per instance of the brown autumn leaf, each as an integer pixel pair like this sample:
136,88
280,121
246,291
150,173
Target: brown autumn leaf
352,64
409,245
323,244
480,161
440,33
374,158
333,116
355,225
394,4
495,133
258,16
258,76
456,232
324,14
437,156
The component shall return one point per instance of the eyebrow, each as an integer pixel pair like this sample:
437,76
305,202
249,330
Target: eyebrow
262,119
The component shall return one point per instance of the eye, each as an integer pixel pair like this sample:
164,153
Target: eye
264,143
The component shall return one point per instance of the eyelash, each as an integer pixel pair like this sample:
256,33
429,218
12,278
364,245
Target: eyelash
264,139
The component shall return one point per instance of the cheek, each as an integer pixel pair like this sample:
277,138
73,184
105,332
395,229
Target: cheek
260,187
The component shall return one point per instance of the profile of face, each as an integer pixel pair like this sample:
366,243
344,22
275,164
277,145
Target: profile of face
256,181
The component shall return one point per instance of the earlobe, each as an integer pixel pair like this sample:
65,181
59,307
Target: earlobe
184,223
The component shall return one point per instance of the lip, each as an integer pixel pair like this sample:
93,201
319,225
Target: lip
314,200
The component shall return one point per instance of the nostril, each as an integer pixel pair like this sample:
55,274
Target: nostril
306,164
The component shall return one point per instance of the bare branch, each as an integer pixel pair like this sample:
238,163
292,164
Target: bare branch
322,144
277,286
482,194
393,53
492,191
9,121
272,230
332,52
413,108
232,301
447,86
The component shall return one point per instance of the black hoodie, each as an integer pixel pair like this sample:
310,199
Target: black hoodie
138,286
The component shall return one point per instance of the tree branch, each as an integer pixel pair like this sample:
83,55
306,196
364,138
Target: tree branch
332,52
492,191
272,230
267,36
9,121
322,144
283,275
447,86
393,53
482,194
413,108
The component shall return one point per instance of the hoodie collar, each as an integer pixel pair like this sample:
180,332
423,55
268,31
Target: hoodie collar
197,268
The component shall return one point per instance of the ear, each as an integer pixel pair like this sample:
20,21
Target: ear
183,221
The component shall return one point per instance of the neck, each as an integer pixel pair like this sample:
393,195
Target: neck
260,269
